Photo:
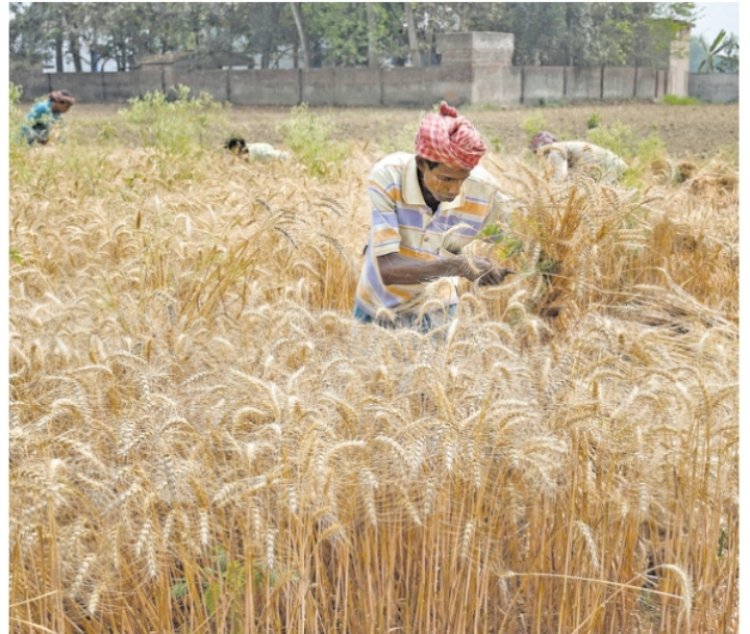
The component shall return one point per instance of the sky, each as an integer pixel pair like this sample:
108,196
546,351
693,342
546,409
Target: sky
714,17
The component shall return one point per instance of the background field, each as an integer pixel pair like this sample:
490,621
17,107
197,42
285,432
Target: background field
690,130
203,440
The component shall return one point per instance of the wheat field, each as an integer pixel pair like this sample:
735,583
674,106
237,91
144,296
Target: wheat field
202,439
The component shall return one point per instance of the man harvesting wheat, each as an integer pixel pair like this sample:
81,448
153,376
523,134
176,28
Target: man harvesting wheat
565,158
426,207
44,114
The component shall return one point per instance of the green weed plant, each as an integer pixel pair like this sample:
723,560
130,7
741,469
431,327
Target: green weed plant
594,121
21,167
176,126
15,116
534,123
638,152
309,136
674,100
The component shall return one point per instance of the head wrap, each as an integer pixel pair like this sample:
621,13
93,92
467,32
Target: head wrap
540,139
62,96
445,137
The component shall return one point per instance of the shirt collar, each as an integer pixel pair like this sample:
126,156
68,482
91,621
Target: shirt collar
412,193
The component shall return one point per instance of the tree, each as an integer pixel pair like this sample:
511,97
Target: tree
372,36
721,56
344,33
302,37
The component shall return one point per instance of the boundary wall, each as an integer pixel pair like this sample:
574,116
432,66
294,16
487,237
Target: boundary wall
475,68
487,84
714,87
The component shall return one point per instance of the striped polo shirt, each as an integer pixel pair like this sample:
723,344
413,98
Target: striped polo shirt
402,222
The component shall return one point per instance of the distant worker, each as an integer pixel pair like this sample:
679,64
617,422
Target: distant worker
425,207
260,151
44,114
567,157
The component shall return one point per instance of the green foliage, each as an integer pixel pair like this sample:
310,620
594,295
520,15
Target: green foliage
107,131
638,152
533,123
17,142
14,110
176,127
309,137
674,100
722,55
506,245
16,257
343,33
496,143
222,582
343,27
624,142
15,92
339,33
594,121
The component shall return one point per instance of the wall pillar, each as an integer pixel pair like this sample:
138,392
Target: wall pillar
679,64
484,59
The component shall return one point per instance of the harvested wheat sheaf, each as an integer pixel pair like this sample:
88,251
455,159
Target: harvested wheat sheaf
201,434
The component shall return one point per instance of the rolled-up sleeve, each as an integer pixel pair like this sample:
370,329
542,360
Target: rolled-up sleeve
558,159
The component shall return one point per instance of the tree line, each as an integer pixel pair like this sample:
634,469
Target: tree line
372,34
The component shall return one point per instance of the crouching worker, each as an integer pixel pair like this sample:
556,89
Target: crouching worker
44,114
426,207
566,158
260,151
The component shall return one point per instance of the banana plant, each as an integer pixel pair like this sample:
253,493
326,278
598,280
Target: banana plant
722,55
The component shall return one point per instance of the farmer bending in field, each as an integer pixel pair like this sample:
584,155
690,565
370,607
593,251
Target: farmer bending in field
564,158
44,114
425,208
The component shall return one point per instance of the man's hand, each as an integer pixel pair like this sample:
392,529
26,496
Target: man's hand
483,270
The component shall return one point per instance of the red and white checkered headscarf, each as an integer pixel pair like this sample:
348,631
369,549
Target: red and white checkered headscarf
447,138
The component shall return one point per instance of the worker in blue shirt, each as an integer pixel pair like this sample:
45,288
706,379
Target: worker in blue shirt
44,114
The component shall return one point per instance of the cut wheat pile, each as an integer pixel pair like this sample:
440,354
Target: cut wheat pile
203,440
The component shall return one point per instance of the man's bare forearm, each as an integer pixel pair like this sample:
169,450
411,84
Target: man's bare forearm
397,269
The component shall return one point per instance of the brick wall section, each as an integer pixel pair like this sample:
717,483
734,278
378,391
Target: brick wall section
86,87
618,83
406,87
426,86
452,84
645,83
33,86
124,86
358,87
214,82
265,87
583,83
715,87
543,83
661,83
496,84
319,86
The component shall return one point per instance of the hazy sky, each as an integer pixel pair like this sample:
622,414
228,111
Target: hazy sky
716,16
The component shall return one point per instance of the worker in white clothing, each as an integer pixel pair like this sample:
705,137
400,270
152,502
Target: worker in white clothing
564,158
